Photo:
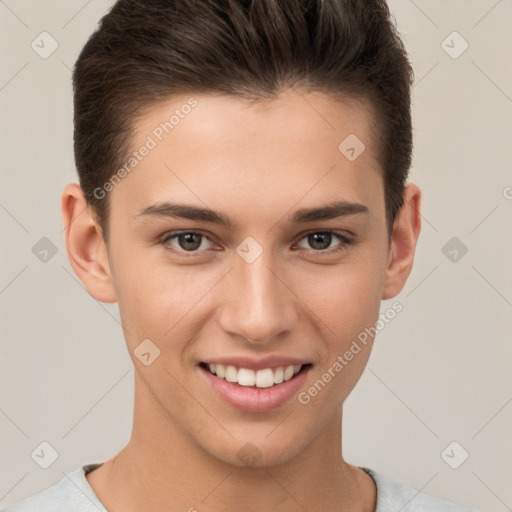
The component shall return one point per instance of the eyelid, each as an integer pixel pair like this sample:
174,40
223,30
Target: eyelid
169,235
345,240
338,232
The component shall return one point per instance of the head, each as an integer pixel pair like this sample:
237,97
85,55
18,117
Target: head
271,115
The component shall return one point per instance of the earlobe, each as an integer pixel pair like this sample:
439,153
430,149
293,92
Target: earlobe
404,238
86,248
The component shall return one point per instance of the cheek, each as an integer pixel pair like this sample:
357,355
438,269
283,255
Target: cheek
348,306
347,298
348,303
156,299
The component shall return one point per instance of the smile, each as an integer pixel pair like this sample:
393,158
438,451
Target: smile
268,385
264,378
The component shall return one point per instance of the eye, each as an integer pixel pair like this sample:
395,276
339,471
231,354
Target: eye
321,241
192,243
186,241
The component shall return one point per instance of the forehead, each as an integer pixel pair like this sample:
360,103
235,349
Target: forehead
294,115
203,147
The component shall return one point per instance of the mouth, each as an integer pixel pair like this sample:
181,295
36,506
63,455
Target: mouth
264,378
255,389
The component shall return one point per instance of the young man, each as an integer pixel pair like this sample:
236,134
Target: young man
243,198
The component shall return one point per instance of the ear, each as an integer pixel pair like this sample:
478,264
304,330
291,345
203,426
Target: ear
86,248
406,230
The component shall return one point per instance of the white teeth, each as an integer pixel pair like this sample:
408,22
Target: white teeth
220,370
265,378
231,374
246,377
288,373
278,375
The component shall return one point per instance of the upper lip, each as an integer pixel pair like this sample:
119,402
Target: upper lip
273,361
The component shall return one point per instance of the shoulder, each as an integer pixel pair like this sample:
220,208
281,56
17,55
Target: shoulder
400,496
71,494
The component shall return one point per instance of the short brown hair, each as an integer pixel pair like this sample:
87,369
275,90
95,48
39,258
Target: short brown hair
146,51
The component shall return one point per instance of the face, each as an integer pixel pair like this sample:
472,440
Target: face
222,252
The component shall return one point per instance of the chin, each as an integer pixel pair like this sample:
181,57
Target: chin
255,452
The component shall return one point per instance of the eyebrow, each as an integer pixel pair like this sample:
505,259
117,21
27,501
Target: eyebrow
335,209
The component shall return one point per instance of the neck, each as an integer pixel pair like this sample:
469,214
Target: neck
162,468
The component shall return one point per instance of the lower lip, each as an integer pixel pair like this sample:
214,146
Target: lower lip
256,399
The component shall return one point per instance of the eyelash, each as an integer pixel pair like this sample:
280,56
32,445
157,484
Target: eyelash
346,241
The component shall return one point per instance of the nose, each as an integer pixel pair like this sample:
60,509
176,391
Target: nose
259,305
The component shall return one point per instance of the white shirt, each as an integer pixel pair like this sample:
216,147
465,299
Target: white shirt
74,494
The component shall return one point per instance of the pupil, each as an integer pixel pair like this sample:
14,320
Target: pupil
322,237
188,239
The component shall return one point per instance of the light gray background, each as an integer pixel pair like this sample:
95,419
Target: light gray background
440,371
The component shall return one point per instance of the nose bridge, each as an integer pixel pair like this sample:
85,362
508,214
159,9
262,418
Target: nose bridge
258,307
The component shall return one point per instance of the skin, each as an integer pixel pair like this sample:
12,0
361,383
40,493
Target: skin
257,164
